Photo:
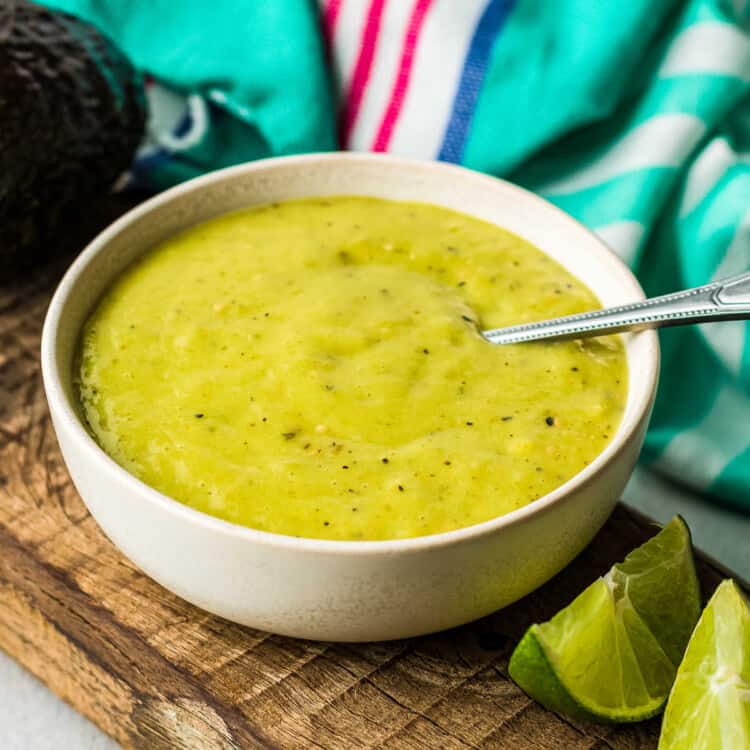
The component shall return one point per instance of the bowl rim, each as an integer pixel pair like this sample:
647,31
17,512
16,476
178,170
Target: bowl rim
92,452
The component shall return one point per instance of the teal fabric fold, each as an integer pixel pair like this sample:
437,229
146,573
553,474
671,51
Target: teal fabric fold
256,72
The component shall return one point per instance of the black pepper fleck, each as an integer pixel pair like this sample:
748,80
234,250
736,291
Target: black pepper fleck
344,466
506,419
550,421
288,435
384,460
199,415
400,488
470,424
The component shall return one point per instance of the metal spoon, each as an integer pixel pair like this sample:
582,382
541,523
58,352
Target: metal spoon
721,300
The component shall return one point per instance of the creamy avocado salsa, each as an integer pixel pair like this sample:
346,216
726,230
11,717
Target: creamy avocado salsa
314,368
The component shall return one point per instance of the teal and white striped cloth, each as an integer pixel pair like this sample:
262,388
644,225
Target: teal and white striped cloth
664,179
632,116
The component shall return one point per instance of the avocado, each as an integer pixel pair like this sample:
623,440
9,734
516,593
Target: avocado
72,113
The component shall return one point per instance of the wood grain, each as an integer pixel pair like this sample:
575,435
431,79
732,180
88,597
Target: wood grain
154,672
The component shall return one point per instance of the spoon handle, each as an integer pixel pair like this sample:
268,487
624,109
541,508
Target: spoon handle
728,299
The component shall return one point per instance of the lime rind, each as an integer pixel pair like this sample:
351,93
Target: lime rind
535,663
612,654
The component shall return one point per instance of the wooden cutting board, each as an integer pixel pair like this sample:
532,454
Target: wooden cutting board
154,672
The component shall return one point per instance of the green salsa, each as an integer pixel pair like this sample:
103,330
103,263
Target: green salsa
315,368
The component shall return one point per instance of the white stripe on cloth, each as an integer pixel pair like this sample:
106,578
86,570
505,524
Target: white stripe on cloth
710,47
198,125
436,72
385,65
624,237
737,256
697,456
165,110
346,40
662,141
727,339
715,159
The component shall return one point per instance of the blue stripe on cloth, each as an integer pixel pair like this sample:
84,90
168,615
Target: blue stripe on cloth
144,166
490,24
183,126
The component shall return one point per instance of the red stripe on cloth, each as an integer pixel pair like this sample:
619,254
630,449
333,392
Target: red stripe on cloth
362,68
330,16
401,84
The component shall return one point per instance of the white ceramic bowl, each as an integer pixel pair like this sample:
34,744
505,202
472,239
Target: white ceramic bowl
343,591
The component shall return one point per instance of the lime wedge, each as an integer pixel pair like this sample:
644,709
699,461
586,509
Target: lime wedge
709,706
612,654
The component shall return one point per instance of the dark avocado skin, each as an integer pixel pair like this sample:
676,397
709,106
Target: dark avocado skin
72,113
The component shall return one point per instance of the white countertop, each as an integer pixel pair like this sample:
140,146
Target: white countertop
31,717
